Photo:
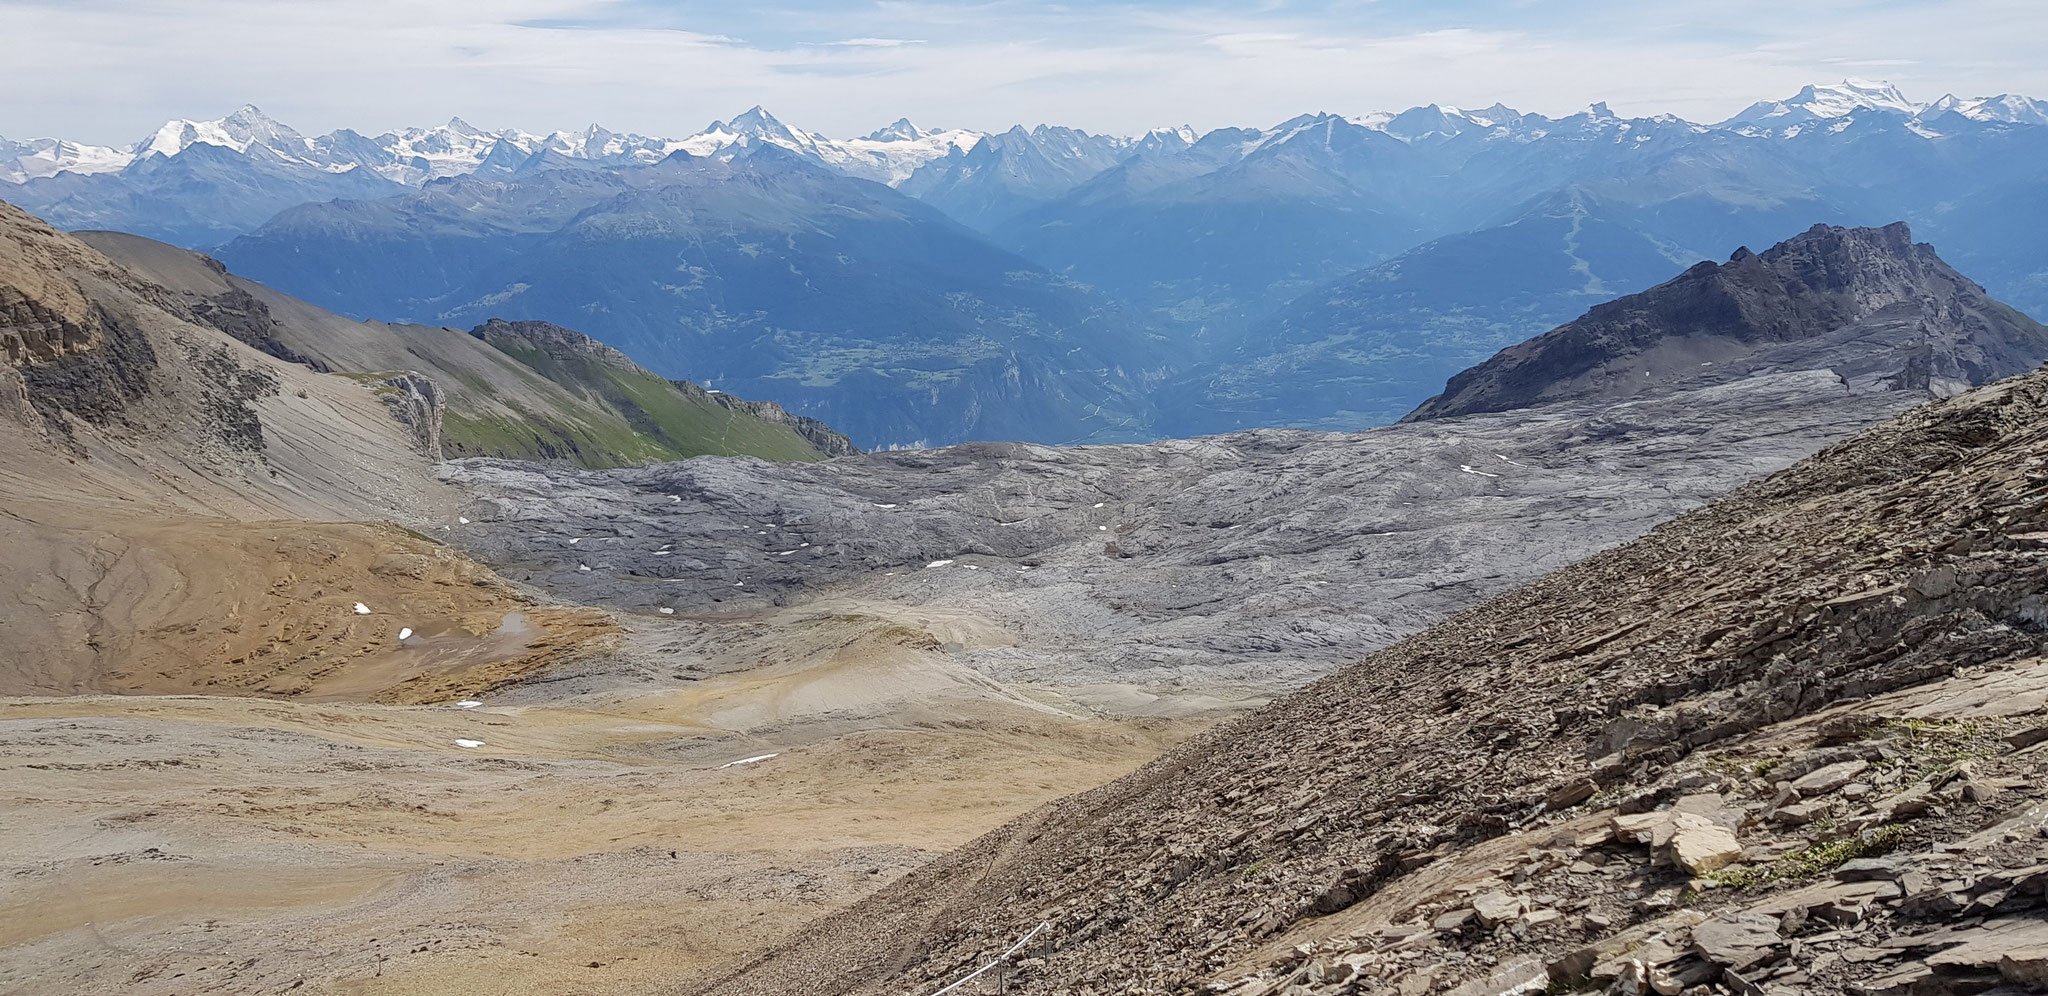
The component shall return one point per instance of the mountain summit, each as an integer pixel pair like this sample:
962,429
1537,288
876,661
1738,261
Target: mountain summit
901,131
1880,310
1816,102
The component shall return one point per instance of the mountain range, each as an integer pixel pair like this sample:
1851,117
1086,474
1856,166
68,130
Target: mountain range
766,275
1329,271
1792,736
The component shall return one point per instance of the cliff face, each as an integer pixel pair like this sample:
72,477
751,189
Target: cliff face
1882,311
63,351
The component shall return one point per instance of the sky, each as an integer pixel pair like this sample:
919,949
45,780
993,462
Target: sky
111,71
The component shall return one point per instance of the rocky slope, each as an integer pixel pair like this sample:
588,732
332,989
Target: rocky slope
1255,561
520,390
1879,310
187,511
1790,742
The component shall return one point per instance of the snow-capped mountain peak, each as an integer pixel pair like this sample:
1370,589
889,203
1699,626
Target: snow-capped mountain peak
1823,101
888,155
246,127
1853,94
24,161
1430,121
2007,107
758,123
892,153
900,131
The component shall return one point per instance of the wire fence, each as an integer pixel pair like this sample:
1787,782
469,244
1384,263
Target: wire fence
1042,927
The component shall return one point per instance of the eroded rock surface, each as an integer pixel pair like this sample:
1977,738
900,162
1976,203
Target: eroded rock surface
1862,634
1257,559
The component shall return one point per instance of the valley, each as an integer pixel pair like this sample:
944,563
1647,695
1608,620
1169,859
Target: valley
614,729
181,844
1443,552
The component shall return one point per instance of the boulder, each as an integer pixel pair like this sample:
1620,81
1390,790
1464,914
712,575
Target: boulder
1738,941
1824,780
1497,907
1700,845
1870,869
1694,842
1570,794
1454,921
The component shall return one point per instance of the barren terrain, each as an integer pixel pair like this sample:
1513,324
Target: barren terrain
602,843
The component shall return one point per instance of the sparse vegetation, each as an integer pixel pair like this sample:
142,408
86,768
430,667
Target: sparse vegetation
1815,859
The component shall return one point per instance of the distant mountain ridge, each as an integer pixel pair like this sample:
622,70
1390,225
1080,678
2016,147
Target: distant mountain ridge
1881,311
766,275
889,154
1329,271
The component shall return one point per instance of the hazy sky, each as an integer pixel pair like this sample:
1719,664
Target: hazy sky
110,71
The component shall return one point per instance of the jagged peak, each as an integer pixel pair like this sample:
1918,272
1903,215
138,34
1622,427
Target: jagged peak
900,130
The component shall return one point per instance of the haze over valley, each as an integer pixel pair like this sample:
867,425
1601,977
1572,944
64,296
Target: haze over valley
1051,285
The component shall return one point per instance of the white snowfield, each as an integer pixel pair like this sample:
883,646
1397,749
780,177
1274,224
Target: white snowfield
756,759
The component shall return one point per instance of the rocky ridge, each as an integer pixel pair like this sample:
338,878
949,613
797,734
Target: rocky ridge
1787,743
828,440
1881,311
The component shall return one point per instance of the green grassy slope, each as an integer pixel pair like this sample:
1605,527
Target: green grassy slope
621,415
517,390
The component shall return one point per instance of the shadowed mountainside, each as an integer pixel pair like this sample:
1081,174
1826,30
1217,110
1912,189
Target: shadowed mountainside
1870,304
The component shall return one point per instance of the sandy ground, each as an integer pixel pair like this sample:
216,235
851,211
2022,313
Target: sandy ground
598,841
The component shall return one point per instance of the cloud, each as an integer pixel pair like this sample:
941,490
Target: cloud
111,70
875,42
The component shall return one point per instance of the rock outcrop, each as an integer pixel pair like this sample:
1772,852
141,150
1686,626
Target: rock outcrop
828,440
1548,792
417,402
1881,311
